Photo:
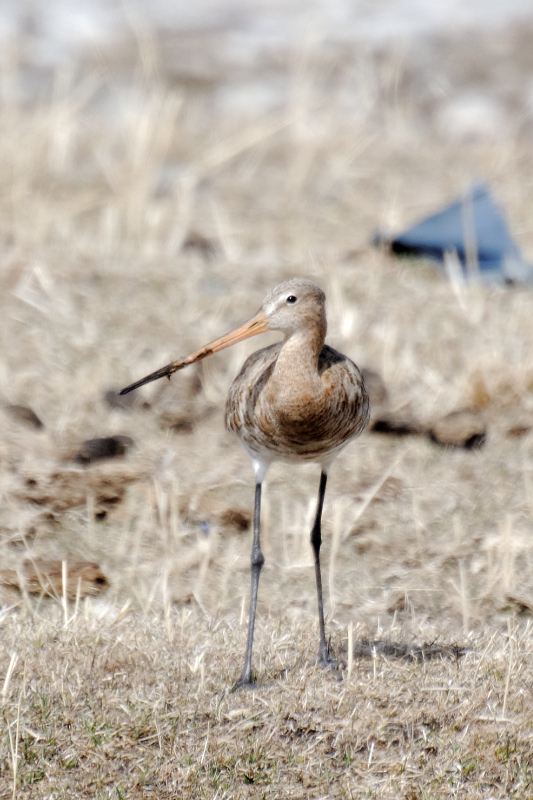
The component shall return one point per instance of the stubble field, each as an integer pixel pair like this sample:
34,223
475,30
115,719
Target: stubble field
138,221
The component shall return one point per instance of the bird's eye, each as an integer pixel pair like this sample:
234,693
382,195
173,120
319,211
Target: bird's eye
291,299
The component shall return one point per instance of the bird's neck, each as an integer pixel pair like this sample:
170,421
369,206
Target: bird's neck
298,358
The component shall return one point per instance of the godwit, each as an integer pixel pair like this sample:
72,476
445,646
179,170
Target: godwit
297,400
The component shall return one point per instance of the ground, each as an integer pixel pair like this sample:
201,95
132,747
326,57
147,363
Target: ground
138,221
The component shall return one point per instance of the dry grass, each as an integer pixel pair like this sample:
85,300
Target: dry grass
139,707
138,221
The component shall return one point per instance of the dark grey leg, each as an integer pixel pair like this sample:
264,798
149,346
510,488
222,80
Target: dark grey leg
257,562
324,658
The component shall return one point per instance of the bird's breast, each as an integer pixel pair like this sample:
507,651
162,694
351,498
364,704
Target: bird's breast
293,415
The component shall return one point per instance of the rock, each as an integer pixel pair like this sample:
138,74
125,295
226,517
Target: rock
25,415
65,489
464,428
395,425
233,519
519,430
41,577
201,244
105,447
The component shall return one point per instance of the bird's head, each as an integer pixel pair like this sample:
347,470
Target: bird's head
293,306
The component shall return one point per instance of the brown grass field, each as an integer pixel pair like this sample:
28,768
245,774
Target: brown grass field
139,219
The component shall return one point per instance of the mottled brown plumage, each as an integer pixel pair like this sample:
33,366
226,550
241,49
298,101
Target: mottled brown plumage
290,425
298,400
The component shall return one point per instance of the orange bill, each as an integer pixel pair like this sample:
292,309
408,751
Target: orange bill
258,324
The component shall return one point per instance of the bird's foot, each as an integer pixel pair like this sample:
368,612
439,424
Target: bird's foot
244,682
325,661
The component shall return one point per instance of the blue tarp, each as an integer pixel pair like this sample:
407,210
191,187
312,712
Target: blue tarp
475,229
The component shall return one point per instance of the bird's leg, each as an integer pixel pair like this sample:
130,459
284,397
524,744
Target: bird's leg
257,562
324,658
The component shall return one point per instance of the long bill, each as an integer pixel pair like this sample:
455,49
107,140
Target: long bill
258,324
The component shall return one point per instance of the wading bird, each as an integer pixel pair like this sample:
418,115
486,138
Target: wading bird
297,400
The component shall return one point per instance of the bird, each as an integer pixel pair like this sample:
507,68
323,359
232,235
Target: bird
298,400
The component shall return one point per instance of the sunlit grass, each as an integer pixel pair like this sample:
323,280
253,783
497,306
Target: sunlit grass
134,236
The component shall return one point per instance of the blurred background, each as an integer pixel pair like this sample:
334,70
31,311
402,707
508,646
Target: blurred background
464,67
163,166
